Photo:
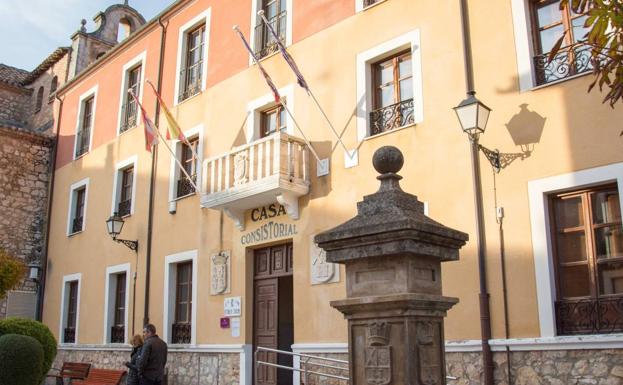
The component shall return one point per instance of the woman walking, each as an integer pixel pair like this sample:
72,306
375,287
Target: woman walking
137,344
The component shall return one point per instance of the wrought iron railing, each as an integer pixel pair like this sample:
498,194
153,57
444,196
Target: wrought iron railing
572,60
589,316
117,334
76,224
184,185
181,333
129,114
367,3
265,43
123,208
69,335
82,142
391,117
190,80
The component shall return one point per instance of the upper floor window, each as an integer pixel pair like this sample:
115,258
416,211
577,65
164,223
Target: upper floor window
125,198
129,108
275,12
191,74
393,94
273,120
549,24
181,330
83,135
53,87
77,222
588,253
39,101
191,165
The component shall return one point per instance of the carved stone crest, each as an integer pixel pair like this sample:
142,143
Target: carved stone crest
378,354
220,273
321,270
241,170
429,362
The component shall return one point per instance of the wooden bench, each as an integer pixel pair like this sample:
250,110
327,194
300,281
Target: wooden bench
71,371
102,377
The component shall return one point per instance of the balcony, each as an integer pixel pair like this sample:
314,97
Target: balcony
117,334
82,142
124,207
589,316
185,186
265,43
181,333
69,335
275,168
129,113
570,61
190,81
391,117
76,224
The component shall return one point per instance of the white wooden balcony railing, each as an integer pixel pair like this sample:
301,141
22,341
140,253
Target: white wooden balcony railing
275,168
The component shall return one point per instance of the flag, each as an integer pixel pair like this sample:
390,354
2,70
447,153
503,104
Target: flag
149,127
299,76
269,81
174,130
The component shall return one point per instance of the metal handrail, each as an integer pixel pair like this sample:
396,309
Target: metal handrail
304,364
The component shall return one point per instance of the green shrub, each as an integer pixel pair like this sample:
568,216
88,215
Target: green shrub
12,270
21,360
36,330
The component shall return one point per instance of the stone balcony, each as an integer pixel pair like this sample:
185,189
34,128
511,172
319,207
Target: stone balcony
269,170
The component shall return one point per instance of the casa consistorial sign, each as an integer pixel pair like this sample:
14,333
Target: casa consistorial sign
268,231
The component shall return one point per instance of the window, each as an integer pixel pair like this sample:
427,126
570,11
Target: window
549,24
77,207
181,330
275,12
273,120
124,187
393,94
191,166
39,100
125,199
71,313
83,136
191,75
116,303
129,109
53,87
117,333
588,250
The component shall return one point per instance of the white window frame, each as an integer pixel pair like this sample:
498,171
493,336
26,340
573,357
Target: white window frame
170,281
71,210
263,103
118,180
365,61
544,269
91,92
141,59
174,171
65,307
110,297
255,6
203,17
359,5
524,48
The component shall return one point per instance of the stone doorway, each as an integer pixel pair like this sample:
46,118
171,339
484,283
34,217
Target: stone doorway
273,317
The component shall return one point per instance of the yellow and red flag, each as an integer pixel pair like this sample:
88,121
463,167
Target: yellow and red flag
174,131
149,127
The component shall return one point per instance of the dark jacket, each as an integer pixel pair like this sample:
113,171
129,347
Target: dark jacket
152,359
132,366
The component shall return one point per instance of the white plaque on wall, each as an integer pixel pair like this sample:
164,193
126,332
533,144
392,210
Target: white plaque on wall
220,273
232,307
321,270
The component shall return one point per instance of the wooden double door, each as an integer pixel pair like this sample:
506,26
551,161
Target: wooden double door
273,318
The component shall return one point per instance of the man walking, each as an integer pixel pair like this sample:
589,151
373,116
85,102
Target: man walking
153,358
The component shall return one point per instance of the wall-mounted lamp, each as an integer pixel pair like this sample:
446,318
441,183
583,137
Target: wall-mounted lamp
114,225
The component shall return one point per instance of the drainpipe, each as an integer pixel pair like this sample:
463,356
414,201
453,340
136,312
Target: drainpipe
485,314
48,216
152,182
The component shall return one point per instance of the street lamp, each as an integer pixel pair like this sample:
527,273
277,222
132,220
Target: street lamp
473,115
114,225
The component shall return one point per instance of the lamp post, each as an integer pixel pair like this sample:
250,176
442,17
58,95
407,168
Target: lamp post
114,225
473,116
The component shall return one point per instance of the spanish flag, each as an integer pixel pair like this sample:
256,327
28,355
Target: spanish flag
174,130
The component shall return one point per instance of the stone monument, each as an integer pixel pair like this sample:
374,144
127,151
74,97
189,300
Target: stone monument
395,309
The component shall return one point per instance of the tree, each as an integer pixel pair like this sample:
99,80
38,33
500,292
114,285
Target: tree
12,270
605,37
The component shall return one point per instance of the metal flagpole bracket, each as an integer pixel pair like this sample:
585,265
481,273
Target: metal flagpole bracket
500,160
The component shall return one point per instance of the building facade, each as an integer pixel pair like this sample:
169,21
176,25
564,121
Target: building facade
224,222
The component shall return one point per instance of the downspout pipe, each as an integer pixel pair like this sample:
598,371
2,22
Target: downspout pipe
485,313
152,182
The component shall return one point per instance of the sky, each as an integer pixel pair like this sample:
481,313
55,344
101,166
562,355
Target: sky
30,30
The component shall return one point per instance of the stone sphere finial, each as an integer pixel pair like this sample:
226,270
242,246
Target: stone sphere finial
387,159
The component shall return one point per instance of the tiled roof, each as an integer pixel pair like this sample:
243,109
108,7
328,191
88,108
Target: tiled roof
45,64
12,76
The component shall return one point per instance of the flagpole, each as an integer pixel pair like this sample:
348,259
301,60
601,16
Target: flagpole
307,88
280,101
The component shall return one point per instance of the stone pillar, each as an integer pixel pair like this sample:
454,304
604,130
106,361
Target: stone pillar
395,309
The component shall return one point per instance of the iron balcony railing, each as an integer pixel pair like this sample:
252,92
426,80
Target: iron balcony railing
184,185
571,60
391,117
76,224
589,316
117,334
190,80
181,333
69,335
123,208
82,142
129,115
265,43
